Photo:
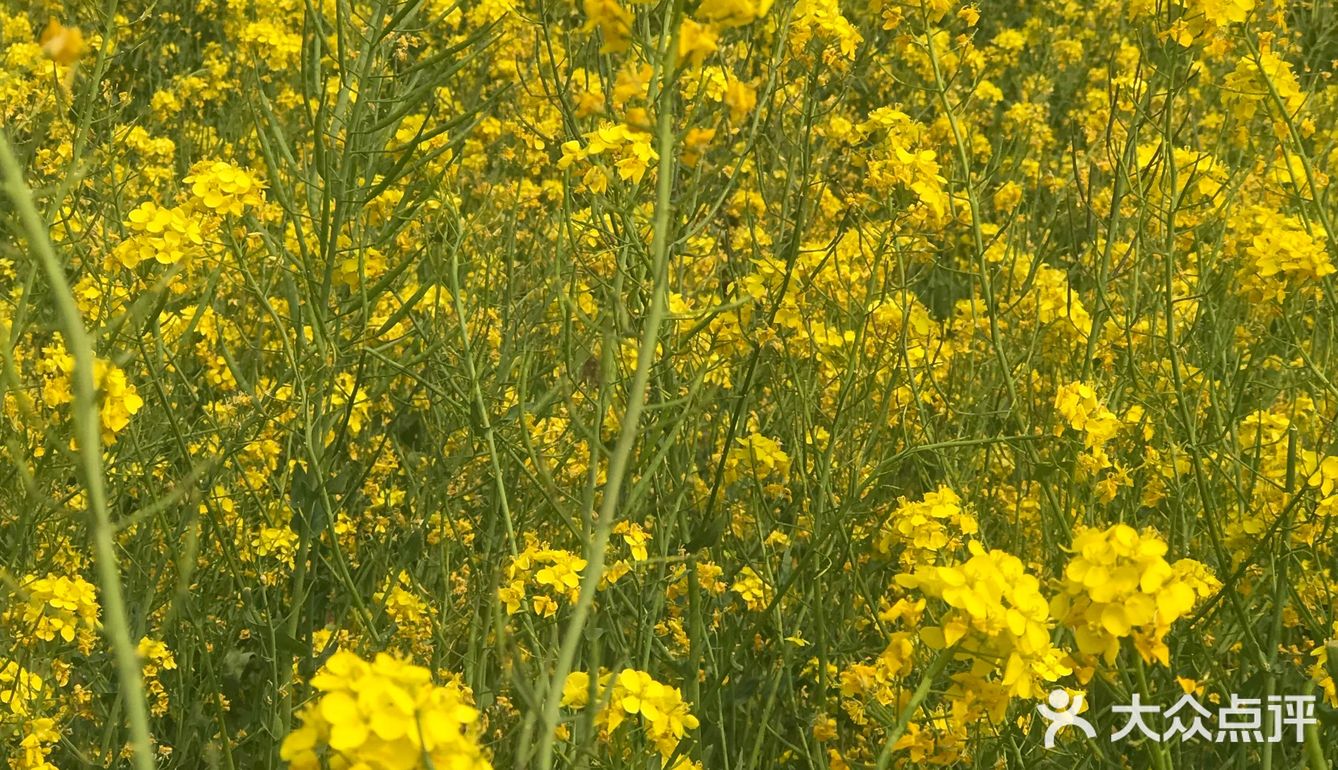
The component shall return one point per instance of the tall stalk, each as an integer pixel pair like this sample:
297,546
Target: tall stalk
88,437
628,429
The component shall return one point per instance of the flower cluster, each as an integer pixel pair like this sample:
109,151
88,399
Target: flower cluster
223,188
612,20
752,589
1254,82
166,235
898,160
21,692
413,617
63,44
384,715
19,688
57,606
118,399
277,542
1118,584
631,150
696,42
820,25
733,13
880,680
1322,672
635,537
664,715
155,658
923,528
555,573
1277,255
757,457
996,605
1078,404
39,737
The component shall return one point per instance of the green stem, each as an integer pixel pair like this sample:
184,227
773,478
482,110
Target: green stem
904,719
628,430
1314,749
88,436
1160,759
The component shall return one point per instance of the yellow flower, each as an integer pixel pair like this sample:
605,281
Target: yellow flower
167,235
752,589
63,44
57,606
19,687
385,715
696,41
921,529
1326,663
636,538
664,714
997,606
757,456
612,20
1221,12
576,690
279,542
224,188
555,571
156,658
119,399
631,150
1277,254
1118,584
1078,404
733,13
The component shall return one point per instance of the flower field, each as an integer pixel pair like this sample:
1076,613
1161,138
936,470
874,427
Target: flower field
668,384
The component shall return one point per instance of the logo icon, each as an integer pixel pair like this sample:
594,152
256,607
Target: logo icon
1063,712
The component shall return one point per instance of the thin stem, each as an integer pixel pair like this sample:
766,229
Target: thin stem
904,719
1157,750
628,430
88,436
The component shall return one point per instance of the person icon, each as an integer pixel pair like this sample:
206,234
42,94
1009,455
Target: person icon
1063,712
